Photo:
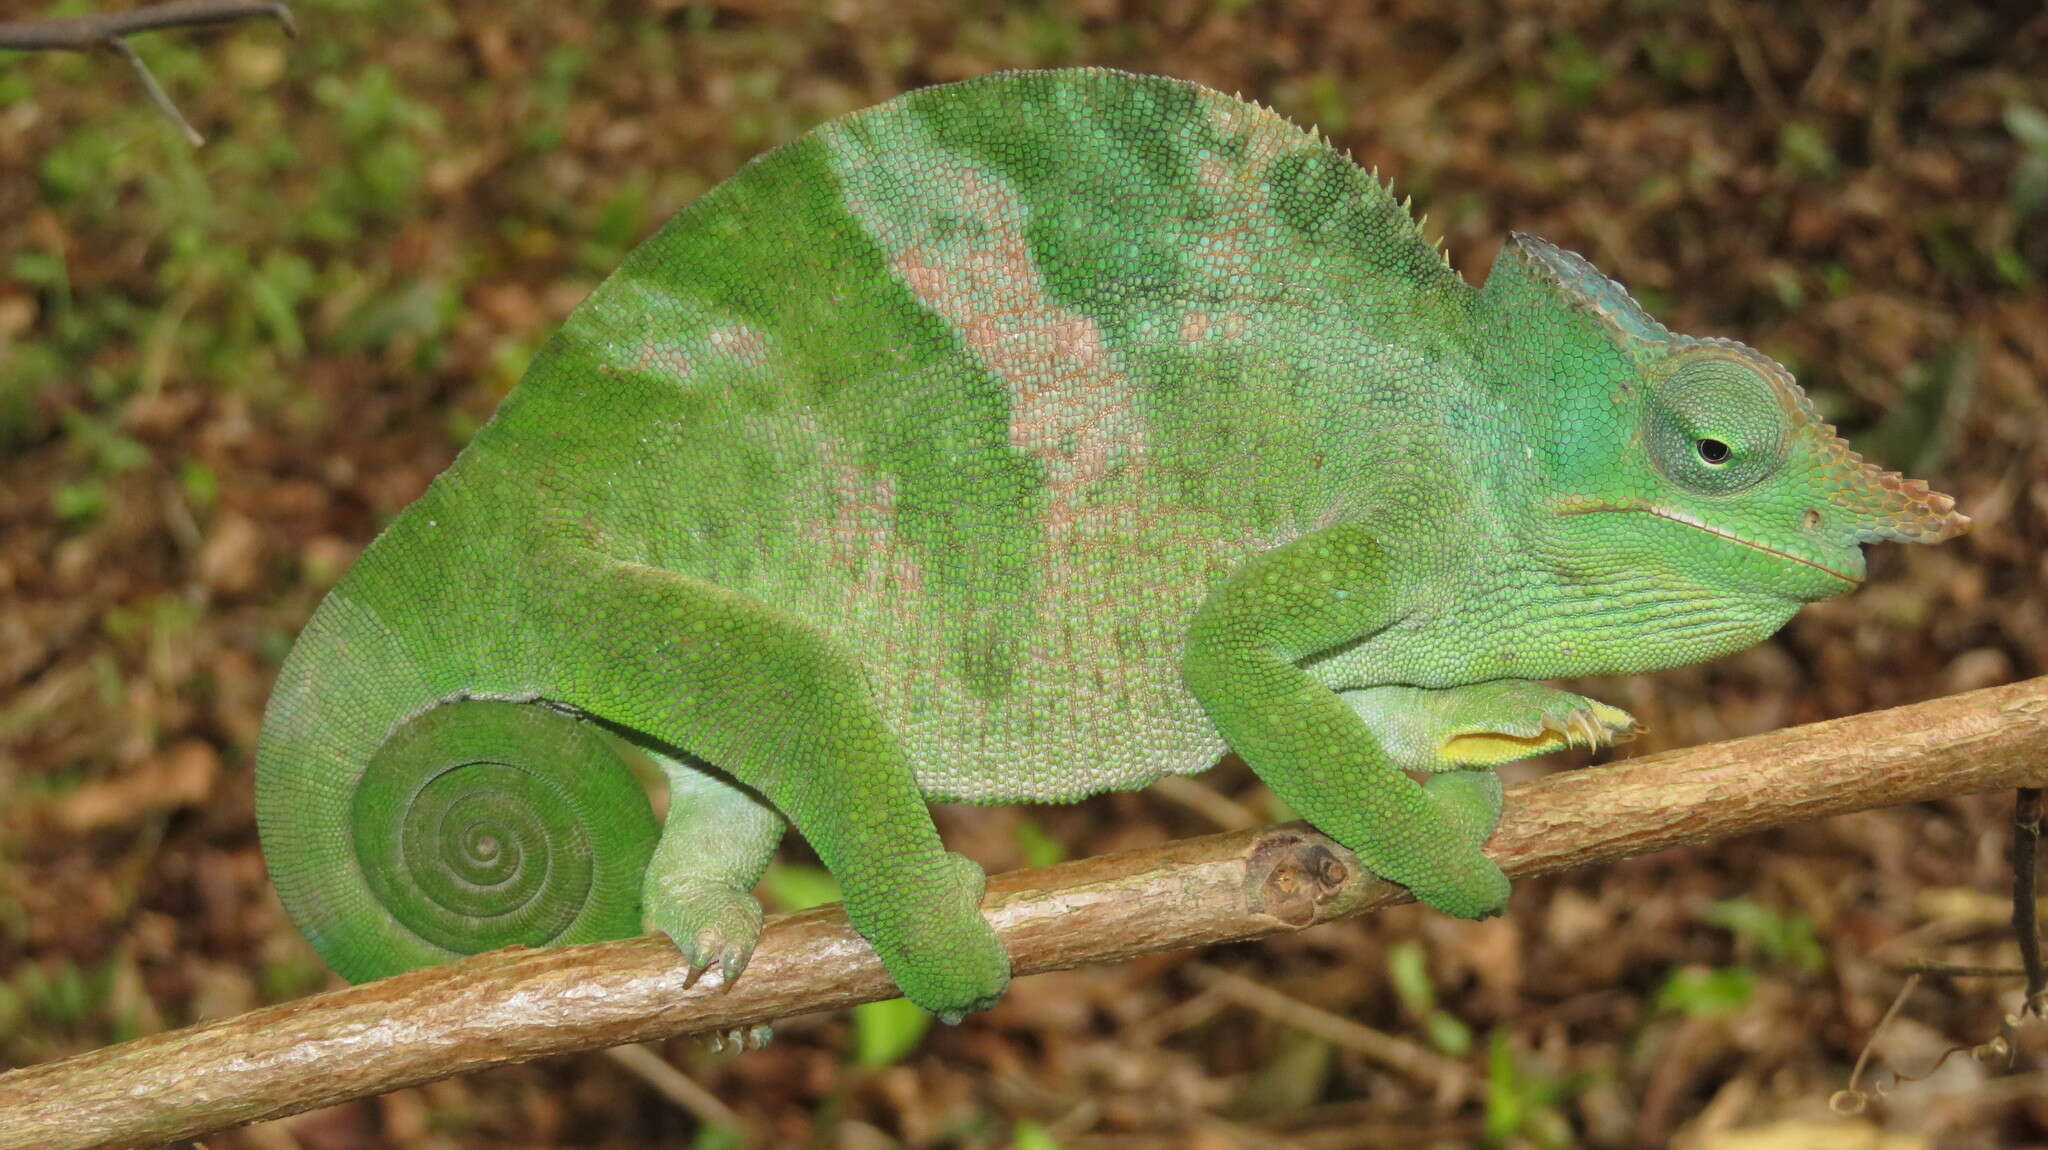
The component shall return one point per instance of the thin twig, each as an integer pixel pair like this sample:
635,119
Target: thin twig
1852,1100
1953,969
1227,813
2026,842
642,1062
156,92
1749,58
1884,103
107,29
81,32
1452,1080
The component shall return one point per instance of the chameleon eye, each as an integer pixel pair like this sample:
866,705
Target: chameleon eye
1715,426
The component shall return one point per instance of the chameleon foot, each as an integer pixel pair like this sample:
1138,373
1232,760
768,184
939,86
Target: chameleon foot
712,924
739,1038
1485,724
1461,882
1586,722
943,954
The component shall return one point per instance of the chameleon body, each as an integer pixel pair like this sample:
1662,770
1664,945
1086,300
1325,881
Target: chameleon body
1022,439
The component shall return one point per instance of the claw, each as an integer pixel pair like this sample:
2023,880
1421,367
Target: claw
1566,728
739,1039
1590,729
696,971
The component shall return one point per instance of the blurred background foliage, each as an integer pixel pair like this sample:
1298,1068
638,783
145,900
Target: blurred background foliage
222,369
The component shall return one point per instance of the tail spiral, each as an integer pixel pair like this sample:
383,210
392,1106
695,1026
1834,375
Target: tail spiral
476,825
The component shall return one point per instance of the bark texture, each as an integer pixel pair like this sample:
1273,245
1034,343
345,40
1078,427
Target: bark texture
519,1004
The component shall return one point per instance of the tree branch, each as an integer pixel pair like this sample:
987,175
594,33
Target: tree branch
107,29
518,1004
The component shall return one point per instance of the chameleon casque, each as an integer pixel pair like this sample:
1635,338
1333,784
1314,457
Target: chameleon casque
1017,440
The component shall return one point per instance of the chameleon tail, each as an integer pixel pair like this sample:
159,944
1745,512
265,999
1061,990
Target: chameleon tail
402,830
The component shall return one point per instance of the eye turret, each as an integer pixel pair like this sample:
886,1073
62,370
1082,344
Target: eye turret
1716,426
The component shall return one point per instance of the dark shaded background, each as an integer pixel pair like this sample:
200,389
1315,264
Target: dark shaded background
221,370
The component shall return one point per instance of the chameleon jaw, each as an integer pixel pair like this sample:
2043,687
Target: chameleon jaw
1581,506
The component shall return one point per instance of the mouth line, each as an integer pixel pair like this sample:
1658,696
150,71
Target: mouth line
1698,524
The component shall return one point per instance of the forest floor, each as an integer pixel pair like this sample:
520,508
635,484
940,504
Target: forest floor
222,369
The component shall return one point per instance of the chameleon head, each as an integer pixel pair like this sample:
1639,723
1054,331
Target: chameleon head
1741,453
1701,460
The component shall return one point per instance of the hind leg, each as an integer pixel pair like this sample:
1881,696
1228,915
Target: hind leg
784,709
718,839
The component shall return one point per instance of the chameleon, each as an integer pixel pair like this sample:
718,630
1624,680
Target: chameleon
1016,440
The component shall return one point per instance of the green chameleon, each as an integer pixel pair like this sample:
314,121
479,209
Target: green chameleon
1018,440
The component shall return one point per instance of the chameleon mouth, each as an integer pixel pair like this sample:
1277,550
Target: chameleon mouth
1695,522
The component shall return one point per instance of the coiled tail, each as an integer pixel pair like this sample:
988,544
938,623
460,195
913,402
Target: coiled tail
401,832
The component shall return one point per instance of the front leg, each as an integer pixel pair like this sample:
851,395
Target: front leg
1457,733
1330,587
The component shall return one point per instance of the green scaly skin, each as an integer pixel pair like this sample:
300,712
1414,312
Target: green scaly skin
1023,439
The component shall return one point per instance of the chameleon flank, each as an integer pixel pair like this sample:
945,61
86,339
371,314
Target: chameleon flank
1018,440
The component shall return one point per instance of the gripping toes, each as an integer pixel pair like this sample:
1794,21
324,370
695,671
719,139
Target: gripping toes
1493,723
942,953
1460,882
711,923
739,1039
1484,724
1587,722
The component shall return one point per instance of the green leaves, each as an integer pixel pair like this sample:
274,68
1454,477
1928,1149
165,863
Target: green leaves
885,1032
1408,971
2028,190
1522,1100
1700,991
1783,940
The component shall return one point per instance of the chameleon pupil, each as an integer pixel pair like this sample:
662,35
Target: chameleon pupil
1713,451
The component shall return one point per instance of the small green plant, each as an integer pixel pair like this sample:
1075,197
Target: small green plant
1524,1103
1780,938
1783,938
1575,72
63,994
1804,150
2028,189
1038,848
1031,1136
718,1138
1408,970
1706,992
